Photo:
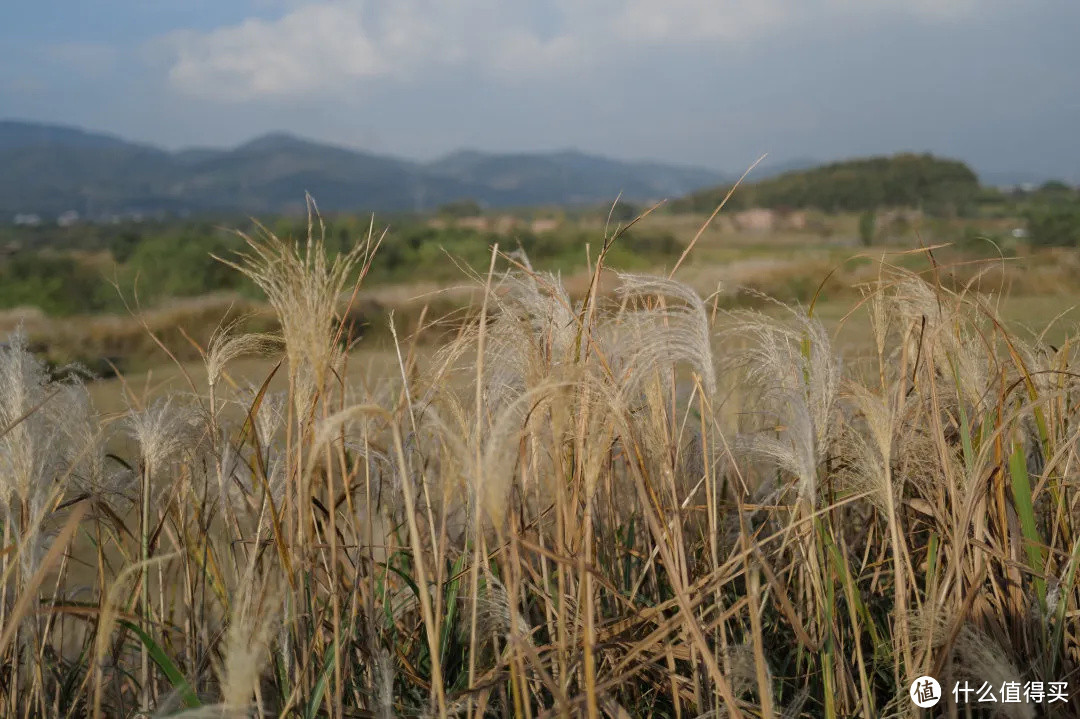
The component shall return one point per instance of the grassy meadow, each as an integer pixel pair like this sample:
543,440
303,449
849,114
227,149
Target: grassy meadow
772,474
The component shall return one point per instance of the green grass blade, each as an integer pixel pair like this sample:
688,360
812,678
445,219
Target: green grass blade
1033,543
167,666
319,690
451,605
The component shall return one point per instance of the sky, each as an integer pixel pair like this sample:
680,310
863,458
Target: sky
714,83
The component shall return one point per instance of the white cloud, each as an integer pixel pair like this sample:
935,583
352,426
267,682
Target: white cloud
306,51
335,45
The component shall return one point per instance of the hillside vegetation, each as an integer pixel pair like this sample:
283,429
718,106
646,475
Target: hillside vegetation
906,180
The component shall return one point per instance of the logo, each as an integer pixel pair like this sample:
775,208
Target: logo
925,692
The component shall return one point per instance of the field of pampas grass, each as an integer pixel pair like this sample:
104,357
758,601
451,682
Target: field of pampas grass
617,504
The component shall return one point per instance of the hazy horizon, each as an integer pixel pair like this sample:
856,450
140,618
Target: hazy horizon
690,82
767,166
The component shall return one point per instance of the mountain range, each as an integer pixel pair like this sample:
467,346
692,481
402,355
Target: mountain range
50,169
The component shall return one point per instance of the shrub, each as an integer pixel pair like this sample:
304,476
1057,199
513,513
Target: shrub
183,265
1055,225
59,285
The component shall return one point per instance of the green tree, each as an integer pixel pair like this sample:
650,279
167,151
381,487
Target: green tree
123,245
181,265
623,212
1055,225
461,208
937,185
58,285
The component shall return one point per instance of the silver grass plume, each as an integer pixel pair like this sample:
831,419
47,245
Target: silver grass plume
383,675
303,287
672,328
254,618
47,436
86,440
941,322
494,477
493,610
794,367
253,621
532,338
976,657
871,446
162,430
226,345
740,669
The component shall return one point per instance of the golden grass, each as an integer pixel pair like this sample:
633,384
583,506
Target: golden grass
618,500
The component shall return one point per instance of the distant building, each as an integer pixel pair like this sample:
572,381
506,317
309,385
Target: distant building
897,222
903,214
68,218
479,224
544,224
757,219
27,219
505,224
795,220
131,216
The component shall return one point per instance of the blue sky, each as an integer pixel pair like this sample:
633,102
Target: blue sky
708,82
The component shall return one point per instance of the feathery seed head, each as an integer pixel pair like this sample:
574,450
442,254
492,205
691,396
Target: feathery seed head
303,287
162,430
797,376
47,429
672,327
226,345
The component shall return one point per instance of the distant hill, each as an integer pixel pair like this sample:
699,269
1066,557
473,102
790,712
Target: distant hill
50,169
15,135
570,176
904,180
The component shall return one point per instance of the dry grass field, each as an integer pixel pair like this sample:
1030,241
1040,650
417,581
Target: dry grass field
601,494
